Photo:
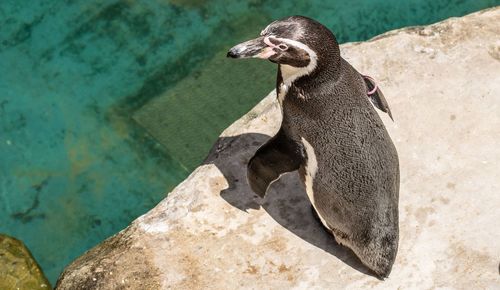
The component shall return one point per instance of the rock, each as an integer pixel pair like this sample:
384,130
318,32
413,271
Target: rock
443,85
18,268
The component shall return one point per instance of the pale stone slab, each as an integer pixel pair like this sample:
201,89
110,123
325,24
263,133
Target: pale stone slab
443,85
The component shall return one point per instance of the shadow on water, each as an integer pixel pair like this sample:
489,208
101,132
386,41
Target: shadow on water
286,200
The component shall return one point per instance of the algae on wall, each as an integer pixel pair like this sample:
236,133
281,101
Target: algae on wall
18,268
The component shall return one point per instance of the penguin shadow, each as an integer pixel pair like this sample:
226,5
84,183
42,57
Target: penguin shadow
286,200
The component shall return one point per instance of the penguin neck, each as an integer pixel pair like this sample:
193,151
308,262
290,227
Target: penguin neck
290,74
325,70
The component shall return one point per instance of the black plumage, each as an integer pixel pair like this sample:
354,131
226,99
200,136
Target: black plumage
332,134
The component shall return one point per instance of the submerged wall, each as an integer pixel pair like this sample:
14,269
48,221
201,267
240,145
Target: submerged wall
443,85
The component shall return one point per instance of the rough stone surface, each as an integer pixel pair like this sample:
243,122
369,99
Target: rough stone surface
18,268
443,85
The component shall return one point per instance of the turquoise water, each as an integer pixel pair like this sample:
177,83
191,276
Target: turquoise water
81,150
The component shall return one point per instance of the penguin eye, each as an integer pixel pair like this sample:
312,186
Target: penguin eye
282,47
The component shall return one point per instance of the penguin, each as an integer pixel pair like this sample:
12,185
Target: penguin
332,135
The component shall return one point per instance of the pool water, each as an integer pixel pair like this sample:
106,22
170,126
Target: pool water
106,105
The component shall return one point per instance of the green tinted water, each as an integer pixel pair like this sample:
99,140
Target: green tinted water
82,82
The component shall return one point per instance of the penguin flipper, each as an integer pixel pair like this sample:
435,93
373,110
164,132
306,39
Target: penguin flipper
378,98
279,155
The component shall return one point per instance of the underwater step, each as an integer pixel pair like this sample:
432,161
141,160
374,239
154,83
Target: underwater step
188,118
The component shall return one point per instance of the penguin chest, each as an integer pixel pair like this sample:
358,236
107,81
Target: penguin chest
310,170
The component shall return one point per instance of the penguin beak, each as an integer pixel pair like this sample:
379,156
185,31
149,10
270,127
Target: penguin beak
255,48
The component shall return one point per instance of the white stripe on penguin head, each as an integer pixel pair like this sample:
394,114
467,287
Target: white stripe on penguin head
291,73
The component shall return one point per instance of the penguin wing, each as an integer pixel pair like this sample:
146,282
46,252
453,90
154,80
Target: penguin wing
277,156
377,98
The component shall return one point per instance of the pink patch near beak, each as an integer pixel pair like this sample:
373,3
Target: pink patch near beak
266,53
269,43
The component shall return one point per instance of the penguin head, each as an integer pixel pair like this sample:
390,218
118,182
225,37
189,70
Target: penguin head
297,42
